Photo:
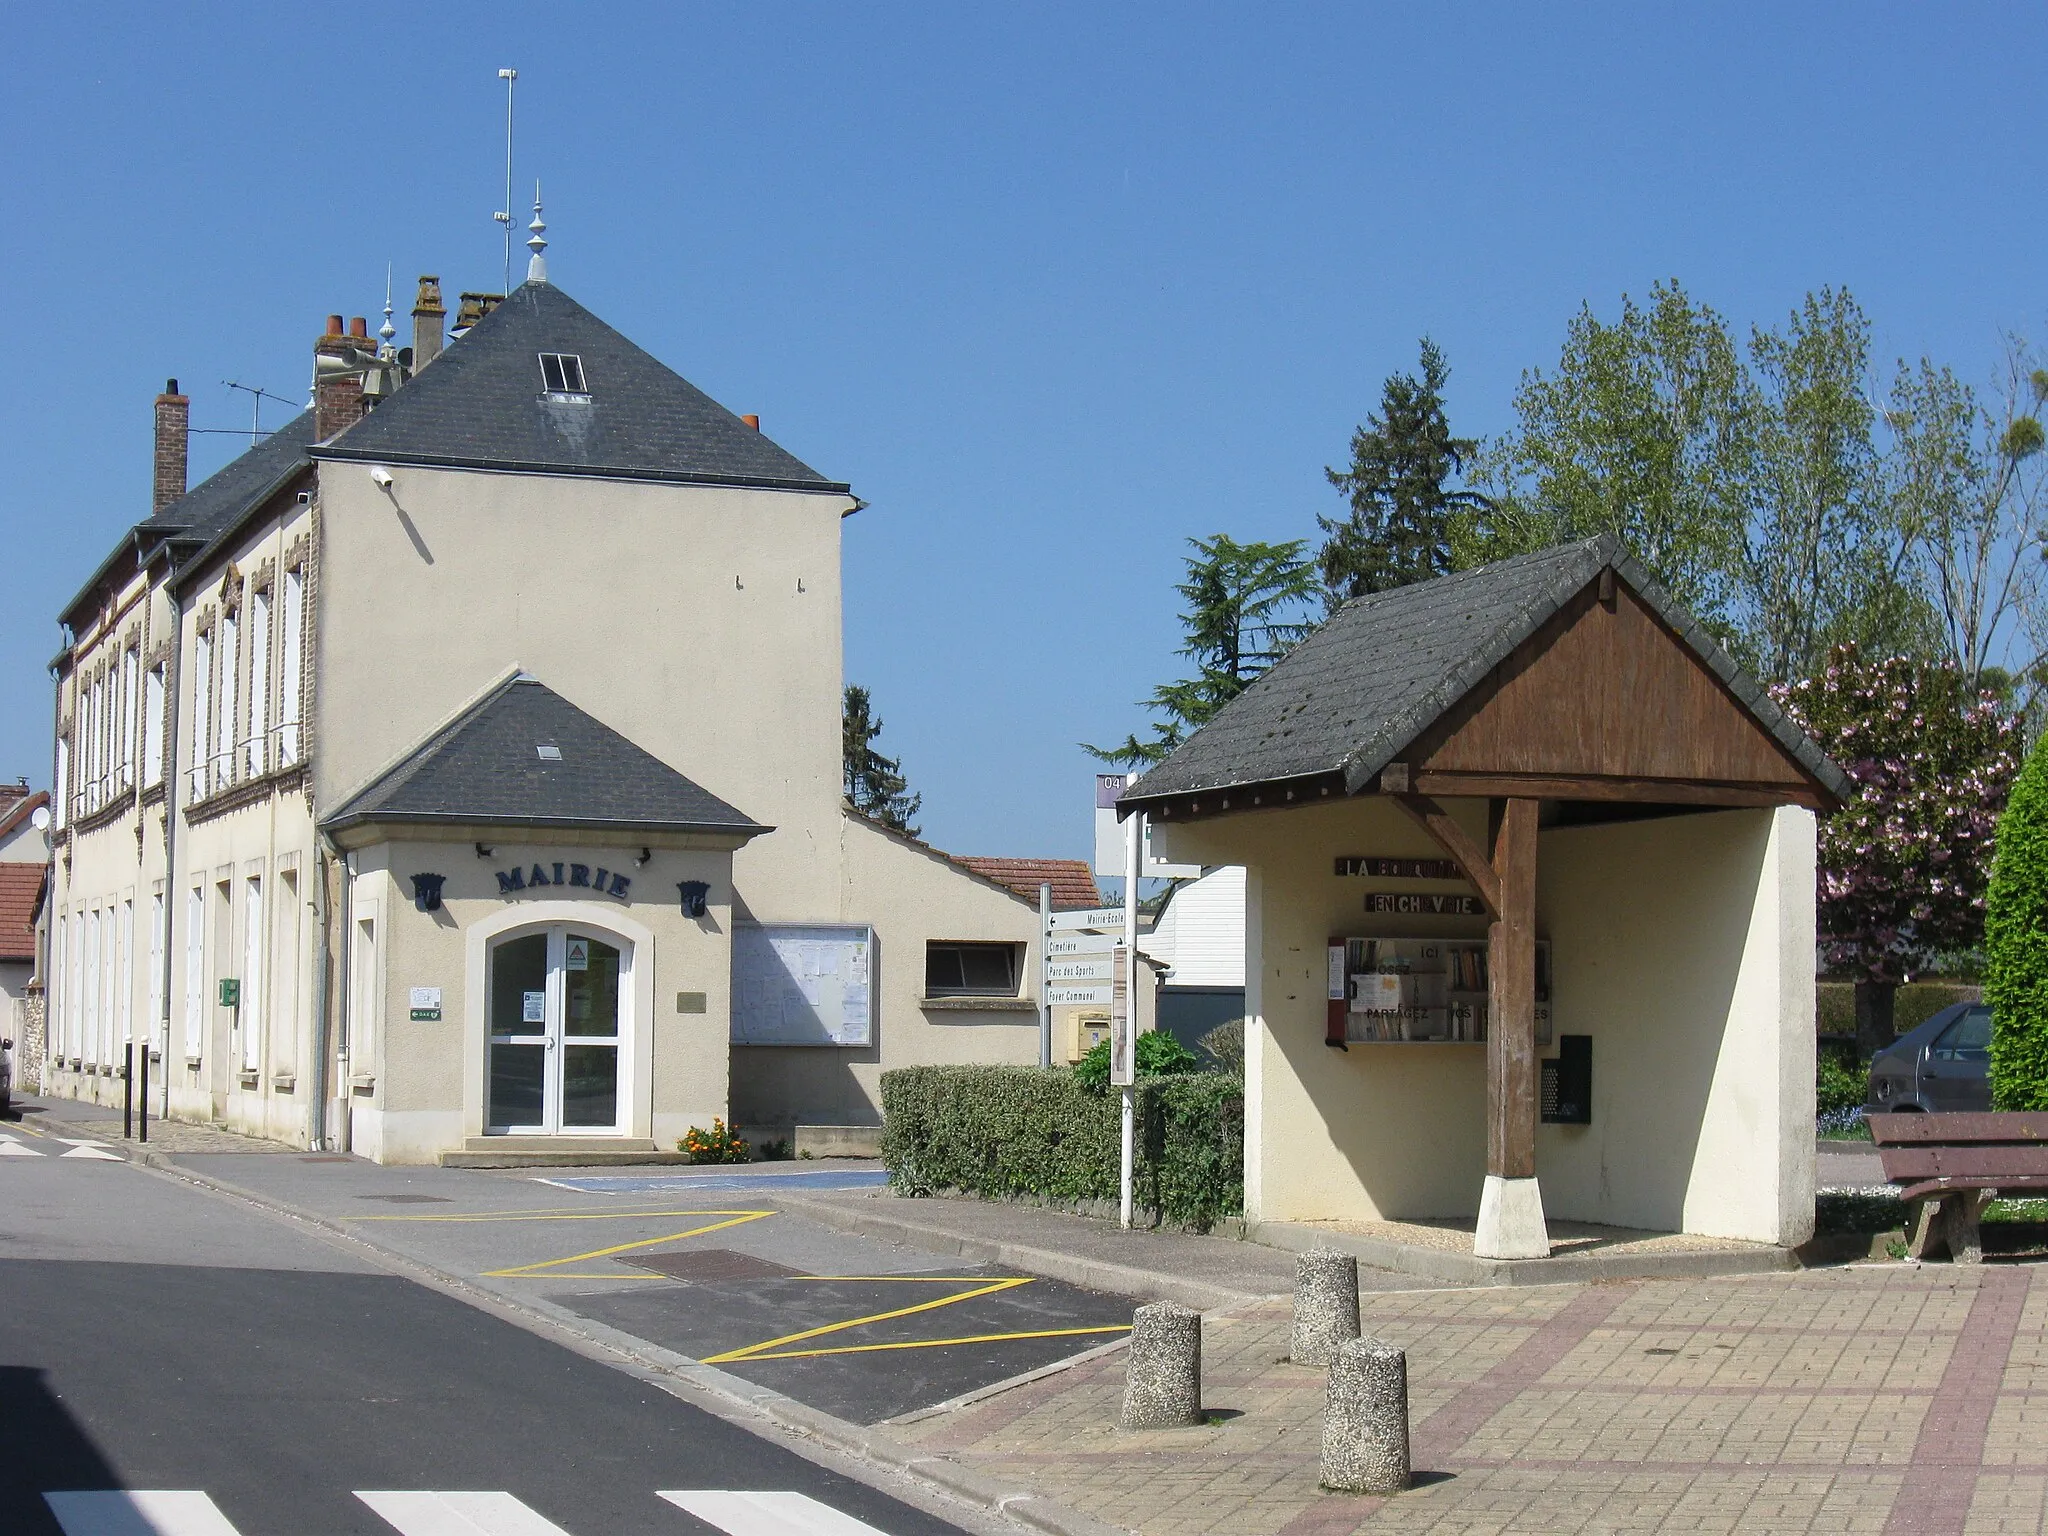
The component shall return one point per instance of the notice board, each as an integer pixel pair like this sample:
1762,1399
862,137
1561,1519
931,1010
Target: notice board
802,984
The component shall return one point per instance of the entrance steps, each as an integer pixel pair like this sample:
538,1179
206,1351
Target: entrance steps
558,1152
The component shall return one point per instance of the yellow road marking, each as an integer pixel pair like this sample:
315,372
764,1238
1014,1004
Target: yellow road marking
752,1350
978,1338
528,1271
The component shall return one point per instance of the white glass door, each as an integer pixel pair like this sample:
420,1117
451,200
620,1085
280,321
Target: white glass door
555,1033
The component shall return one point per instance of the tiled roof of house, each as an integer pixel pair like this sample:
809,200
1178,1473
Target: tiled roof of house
523,754
1072,882
482,403
1386,666
21,885
17,804
216,503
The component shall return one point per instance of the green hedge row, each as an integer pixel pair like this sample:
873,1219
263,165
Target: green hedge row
2016,943
1002,1132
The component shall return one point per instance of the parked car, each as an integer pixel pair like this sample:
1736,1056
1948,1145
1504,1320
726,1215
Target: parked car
1945,1064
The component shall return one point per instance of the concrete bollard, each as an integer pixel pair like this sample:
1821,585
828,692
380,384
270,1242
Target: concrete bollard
1163,1376
1365,1420
1325,1305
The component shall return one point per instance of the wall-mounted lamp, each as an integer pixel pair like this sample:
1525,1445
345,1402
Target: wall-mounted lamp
694,894
645,855
484,853
426,892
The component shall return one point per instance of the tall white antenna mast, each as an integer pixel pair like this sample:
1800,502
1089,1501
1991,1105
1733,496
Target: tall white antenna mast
504,215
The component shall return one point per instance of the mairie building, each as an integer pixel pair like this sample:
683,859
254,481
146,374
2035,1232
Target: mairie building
457,775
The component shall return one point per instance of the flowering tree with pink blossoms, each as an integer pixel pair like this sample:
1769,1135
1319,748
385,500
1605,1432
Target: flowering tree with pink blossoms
1903,866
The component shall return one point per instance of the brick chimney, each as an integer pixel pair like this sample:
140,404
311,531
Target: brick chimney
338,401
427,315
173,426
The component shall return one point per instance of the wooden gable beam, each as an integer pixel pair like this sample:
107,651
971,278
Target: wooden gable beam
1450,836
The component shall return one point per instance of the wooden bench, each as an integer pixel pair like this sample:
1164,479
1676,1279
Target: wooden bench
1959,1162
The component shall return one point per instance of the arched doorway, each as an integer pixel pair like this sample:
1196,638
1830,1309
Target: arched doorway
559,1010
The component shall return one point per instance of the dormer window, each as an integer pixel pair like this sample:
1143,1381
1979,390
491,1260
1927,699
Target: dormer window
561,373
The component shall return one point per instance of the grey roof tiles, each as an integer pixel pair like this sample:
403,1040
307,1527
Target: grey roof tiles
488,765
483,403
1361,688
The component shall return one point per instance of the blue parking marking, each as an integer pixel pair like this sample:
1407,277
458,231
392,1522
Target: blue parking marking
685,1183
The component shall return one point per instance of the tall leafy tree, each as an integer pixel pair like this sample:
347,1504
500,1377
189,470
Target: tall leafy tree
1246,607
1903,866
875,785
1971,489
1403,460
1645,430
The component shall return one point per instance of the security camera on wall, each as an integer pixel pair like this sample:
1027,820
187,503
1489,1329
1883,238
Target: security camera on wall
380,477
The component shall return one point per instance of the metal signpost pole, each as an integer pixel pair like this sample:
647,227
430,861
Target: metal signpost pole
1044,975
1133,841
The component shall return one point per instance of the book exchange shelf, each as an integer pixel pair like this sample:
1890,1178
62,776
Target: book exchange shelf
1419,991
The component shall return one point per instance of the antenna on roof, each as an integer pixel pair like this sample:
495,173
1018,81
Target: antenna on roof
256,399
504,215
537,267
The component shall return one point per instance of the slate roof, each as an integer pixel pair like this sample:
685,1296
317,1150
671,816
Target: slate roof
485,766
1072,881
1349,698
218,502
481,404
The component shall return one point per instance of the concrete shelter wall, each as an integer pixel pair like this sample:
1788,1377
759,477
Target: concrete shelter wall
1682,945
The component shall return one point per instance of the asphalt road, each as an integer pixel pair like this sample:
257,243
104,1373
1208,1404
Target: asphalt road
153,1337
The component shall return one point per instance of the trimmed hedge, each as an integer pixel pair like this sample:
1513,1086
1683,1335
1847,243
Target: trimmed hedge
1004,1132
2016,943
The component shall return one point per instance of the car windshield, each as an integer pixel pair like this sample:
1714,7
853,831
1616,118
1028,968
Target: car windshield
1968,1039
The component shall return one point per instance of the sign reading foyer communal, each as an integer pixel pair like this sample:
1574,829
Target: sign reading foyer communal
588,877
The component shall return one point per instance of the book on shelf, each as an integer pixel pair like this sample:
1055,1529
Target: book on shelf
1424,989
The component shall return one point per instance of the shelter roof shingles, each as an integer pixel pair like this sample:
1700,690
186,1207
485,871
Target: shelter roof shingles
482,403
1385,666
1072,881
486,766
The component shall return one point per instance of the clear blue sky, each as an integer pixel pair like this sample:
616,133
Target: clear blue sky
1053,286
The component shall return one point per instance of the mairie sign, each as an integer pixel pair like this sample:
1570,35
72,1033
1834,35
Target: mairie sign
598,879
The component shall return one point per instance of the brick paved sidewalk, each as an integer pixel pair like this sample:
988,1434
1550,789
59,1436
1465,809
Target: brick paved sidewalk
1884,1399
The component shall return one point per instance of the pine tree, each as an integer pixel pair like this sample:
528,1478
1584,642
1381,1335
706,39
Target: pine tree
875,785
1242,615
1399,528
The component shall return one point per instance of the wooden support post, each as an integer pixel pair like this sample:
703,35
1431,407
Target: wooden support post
1511,1007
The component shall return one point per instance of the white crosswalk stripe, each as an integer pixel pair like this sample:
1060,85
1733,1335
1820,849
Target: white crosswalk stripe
459,1514
94,1149
766,1514
134,1512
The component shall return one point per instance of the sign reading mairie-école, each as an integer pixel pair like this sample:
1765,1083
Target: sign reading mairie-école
1379,868
596,878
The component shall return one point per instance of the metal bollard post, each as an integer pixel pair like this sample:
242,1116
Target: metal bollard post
128,1090
1163,1377
1365,1420
143,1101
1325,1305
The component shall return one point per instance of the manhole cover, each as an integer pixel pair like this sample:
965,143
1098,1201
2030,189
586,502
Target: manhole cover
408,1199
711,1264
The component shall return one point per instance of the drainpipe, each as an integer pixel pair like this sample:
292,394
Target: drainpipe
348,910
316,1119
174,687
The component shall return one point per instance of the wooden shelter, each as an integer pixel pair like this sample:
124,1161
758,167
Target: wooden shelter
1554,690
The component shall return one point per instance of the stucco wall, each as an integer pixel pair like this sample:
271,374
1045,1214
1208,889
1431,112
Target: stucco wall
702,623
908,895
1683,946
417,1088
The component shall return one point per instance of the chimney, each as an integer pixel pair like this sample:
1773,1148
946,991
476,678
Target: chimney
173,424
338,400
752,421
427,315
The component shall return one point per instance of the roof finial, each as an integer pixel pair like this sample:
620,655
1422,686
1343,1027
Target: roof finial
537,268
387,330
